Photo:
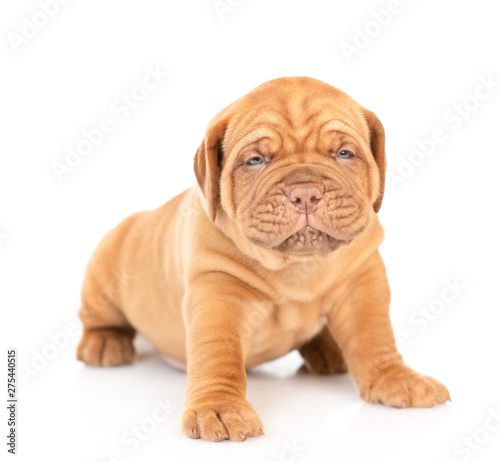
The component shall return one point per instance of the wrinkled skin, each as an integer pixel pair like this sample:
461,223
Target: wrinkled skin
275,249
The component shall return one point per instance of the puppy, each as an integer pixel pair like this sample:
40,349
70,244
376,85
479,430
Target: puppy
275,249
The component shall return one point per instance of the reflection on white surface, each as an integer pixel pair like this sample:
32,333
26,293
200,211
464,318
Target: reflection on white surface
132,413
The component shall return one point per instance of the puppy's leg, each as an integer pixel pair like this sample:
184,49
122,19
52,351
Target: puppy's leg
360,324
218,335
107,335
322,355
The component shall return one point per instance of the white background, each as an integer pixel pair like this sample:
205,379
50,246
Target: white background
441,219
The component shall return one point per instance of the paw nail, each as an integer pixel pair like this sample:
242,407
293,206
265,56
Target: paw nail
242,436
261,433
194,432
218,435
434,403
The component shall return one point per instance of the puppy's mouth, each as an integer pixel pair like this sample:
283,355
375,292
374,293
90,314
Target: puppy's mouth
309,241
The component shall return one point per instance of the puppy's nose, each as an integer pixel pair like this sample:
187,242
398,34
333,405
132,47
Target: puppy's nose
305,197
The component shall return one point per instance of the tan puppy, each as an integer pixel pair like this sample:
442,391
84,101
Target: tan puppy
276,248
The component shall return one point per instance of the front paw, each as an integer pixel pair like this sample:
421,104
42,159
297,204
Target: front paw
400,386
221,417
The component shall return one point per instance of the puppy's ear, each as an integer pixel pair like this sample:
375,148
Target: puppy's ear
208,159
377,144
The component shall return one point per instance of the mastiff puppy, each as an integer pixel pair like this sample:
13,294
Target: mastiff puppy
275,249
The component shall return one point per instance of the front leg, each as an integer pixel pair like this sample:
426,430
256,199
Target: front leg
215,408
361,326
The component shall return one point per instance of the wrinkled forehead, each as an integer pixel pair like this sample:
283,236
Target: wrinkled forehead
293,121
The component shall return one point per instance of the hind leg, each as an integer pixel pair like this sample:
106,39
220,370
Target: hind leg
322,355
107,335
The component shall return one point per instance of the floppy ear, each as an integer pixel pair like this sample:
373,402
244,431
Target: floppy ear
377,145
208,159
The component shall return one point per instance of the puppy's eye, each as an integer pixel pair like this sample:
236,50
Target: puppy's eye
344,154
257,160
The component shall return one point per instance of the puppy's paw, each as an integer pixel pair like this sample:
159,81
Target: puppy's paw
401,387
216,419
106,347
323,356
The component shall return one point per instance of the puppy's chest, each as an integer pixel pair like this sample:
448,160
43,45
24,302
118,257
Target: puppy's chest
288,325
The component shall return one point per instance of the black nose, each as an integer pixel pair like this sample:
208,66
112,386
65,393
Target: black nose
305,197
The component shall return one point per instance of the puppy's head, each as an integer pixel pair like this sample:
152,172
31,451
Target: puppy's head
296,165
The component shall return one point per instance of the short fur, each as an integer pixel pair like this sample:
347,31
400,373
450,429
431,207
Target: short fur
228,274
